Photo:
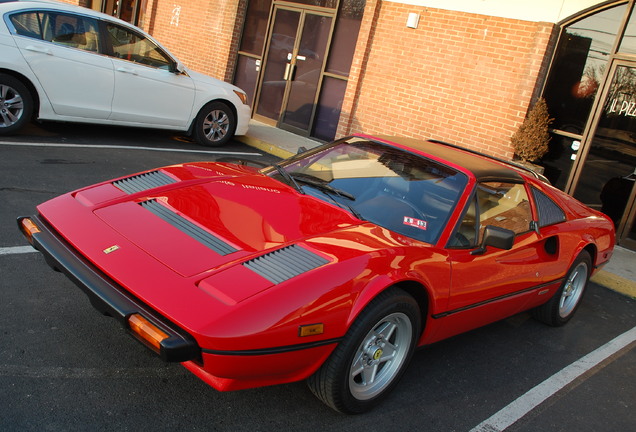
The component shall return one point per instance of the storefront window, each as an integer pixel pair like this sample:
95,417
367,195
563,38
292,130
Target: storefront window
322,3
345,37
628,42
578,68
255,26
582,56
329,106
609,167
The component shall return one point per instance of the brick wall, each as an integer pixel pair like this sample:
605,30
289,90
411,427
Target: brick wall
464,78
204,35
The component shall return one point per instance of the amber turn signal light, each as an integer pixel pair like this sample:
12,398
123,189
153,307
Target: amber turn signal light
146,331
311,330
29,228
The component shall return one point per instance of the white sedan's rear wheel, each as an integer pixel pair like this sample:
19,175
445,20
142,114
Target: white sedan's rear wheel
16,104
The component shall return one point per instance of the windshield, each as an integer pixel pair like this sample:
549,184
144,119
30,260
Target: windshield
393,188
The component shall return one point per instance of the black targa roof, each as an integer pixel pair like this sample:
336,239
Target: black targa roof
483,167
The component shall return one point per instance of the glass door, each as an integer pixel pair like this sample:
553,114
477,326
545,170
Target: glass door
306,67
275,75
293,68
606,180
127,10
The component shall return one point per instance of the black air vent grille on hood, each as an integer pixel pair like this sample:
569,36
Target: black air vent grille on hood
142,182
286,263
196,232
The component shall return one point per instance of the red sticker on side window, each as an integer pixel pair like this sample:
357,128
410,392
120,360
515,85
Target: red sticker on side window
416,223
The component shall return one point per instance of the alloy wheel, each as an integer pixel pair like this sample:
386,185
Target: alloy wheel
216,125
11,106
573,289
380,356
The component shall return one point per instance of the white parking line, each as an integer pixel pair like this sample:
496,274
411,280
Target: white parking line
16,250
103,146
534,397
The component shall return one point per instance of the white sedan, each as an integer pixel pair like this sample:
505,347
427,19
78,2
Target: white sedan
68,63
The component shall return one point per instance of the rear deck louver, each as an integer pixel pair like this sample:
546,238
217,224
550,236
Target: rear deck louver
196,232
142,182
283,264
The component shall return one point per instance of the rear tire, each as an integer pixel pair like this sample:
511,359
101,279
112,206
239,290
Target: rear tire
368,363
561,307
16,104
215,124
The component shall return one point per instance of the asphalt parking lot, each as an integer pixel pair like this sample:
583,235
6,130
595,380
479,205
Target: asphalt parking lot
63,366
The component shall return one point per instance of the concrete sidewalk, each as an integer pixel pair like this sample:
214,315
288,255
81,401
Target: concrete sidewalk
619,274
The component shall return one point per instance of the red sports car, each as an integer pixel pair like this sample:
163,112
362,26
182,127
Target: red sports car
331,266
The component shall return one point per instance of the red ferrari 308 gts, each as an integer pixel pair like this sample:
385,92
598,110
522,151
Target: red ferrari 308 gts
331,266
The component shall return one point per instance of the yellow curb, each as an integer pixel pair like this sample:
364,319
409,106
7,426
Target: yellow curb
263,146
615,283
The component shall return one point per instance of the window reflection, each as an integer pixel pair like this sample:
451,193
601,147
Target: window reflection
609,166
628,42
579,64
255,26
246,75
329,106
345,37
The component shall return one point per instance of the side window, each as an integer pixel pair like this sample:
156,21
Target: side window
27,24
468,230
132,46
549,212
503,205
74,31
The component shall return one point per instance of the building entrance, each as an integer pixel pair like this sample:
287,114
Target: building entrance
294,61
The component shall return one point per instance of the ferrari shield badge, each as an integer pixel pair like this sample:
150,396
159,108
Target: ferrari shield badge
111,249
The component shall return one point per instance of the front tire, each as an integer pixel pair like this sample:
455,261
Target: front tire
215,124
561,307
16,104
373,355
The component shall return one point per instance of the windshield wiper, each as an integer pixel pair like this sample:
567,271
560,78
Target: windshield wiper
289,178
323,186
329,191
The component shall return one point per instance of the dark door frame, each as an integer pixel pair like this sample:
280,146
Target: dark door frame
304,11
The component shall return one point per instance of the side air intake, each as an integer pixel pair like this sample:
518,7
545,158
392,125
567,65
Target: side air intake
142,182
286,263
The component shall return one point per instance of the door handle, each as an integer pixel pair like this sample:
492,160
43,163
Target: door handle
127,70
38,49
287,75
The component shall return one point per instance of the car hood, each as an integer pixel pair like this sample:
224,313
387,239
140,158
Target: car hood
208,215
202,80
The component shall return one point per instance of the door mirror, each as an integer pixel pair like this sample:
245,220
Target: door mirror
178,68
496,237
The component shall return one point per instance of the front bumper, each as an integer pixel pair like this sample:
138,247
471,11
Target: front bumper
108,297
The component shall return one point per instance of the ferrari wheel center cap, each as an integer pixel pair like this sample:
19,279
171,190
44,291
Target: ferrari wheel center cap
377,354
